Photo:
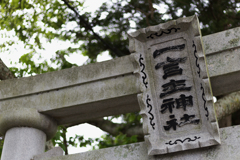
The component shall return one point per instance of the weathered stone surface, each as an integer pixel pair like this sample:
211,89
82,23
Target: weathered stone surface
72,95
57,151
105,97
222,51
228,150
224,80
67,78
219,42
27,117
22,143
176,103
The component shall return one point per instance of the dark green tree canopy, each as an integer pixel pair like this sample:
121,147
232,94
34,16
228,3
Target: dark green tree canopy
106,29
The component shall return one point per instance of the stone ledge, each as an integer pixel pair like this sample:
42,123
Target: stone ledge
221,51
27,117
230,138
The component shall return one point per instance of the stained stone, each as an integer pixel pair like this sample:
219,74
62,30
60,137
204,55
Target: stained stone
176,103
22,143
228,150
57,151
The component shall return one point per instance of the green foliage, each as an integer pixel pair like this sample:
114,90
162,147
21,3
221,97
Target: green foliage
111,141
31,67
61,140
129,120
1,145
35,21
214,15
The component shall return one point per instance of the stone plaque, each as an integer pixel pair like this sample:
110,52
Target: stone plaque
176,100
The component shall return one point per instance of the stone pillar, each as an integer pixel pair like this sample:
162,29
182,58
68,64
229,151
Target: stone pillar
26,131
23,143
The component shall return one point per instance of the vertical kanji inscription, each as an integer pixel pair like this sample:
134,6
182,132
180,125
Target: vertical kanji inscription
176,112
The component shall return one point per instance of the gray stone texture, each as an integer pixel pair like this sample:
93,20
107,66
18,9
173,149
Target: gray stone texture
57,151
179,116
54,94
222,51
22,143
27,117
228,150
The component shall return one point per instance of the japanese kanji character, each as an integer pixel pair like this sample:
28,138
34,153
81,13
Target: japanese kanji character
167,104
188,119
171,66
174,86
166,49
172,123
184,101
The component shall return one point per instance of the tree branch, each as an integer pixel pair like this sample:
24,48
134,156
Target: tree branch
89,27
115,128
227,105
151,8
5,73
65,140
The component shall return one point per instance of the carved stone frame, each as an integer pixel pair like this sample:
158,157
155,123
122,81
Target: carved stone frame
158,141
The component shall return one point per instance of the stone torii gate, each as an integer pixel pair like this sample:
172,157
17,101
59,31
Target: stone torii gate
32,107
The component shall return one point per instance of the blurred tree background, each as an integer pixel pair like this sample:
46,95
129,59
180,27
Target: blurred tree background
35,22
